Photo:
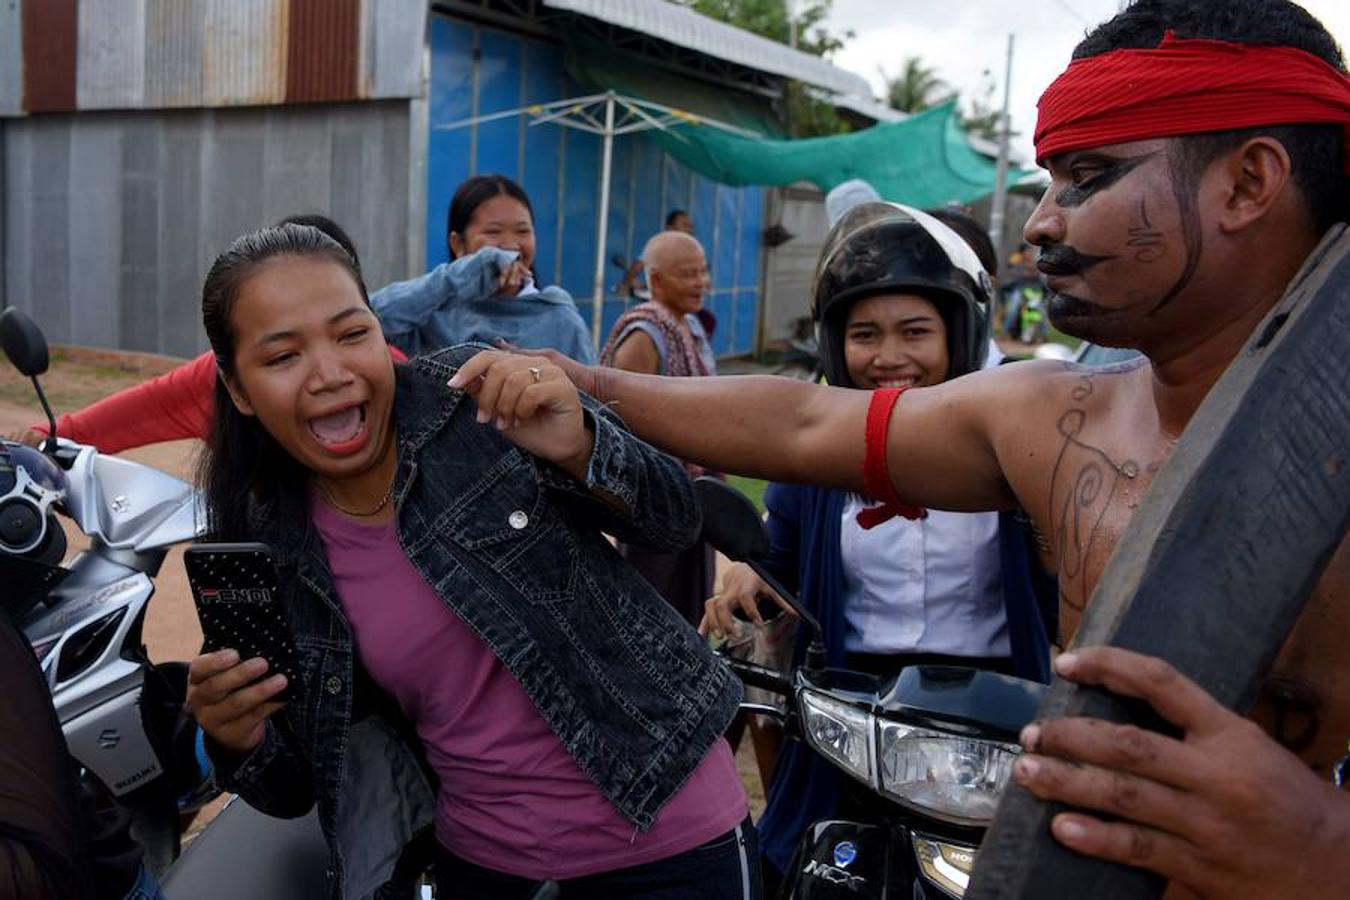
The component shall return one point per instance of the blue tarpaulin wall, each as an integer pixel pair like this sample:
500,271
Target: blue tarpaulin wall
476,71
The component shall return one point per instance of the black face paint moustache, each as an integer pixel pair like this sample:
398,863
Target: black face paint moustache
1061,259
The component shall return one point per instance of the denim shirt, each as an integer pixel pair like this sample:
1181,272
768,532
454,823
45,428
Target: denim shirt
513,545
457,302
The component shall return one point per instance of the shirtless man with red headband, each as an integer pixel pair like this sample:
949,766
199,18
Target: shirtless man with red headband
1165,230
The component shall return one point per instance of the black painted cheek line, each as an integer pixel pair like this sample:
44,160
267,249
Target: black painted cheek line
1187,196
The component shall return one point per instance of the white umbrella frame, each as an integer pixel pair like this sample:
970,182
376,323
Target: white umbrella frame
596,114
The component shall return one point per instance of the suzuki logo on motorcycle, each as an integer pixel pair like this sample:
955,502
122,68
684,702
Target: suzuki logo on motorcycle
120,504
109,738
845,852
235,595
835,876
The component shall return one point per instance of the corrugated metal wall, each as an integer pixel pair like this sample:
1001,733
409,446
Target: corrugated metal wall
59,55
322,50
11,59
478,70
50,43
110,62
244,52
112,219
175,38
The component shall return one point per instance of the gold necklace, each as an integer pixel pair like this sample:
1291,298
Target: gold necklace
384,501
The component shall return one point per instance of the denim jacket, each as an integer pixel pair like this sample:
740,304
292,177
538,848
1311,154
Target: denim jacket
457,302
514,547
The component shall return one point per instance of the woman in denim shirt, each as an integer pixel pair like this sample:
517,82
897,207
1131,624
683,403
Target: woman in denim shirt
487,292
482,681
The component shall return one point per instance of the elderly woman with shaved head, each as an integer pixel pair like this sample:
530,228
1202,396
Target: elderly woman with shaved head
664,336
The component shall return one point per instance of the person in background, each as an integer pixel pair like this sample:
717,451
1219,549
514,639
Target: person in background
174,406
58,841
680,220
975,236
666,337
41,852
846,195
488,291
677,220
894,309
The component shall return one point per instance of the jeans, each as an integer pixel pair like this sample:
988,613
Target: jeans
725,868
145,888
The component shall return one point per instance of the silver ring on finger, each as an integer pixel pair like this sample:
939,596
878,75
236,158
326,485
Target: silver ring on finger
535,374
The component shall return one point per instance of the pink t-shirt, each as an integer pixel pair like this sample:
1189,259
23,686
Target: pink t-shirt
511,798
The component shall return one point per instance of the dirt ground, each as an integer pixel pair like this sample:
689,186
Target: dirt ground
79,376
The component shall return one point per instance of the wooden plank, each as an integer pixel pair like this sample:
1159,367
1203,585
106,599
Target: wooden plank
1217,564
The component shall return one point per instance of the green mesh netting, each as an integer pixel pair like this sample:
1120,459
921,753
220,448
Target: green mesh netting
924,160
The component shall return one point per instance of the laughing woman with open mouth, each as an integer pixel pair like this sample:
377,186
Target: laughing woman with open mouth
484,684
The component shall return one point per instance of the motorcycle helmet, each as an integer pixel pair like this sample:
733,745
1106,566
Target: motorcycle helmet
30,486
888,248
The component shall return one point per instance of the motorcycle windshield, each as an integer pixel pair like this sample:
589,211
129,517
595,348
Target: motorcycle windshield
963,700
43,472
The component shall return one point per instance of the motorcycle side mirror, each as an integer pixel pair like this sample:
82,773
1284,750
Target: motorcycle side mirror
730,521
26,346
23,342
732,525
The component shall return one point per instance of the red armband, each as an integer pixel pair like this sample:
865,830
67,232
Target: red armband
876,477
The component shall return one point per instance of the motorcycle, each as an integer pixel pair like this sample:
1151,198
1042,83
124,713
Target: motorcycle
801,358
122,714
929,750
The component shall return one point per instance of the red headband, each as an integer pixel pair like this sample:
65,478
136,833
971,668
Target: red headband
1187,87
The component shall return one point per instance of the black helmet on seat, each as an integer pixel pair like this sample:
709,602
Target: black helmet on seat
887,248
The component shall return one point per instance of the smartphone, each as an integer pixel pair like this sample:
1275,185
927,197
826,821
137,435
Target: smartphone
235,589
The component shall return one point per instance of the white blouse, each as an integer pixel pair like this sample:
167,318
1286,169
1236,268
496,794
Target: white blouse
934,585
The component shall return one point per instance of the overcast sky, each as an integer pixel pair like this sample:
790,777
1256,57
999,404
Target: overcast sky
964,39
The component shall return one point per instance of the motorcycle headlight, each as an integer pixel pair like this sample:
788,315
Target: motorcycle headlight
958,779
840,732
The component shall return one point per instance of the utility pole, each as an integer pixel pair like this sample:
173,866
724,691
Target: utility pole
999,209
792,23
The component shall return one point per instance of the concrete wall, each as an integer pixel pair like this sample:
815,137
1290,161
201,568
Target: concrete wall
111,219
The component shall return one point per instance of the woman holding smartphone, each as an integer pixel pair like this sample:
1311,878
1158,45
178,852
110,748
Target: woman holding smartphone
483,681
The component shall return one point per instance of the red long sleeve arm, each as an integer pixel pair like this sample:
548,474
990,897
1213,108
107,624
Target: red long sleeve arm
169,407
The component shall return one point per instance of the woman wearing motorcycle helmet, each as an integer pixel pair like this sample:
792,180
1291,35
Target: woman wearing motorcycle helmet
900,301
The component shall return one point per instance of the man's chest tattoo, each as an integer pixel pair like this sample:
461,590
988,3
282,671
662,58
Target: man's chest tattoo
1084,482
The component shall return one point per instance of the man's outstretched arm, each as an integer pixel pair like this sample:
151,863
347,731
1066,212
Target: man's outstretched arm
939,452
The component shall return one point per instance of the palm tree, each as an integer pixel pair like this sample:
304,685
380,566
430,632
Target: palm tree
916,88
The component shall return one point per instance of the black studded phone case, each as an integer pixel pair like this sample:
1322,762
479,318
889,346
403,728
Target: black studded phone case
235,589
